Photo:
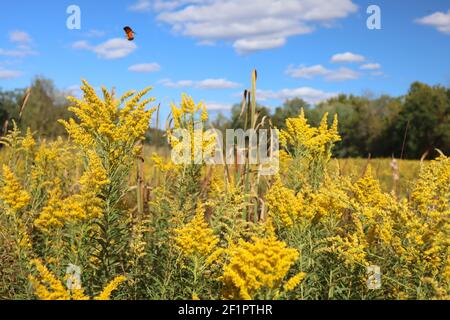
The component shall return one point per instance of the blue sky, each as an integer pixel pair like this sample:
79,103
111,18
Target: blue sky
313,49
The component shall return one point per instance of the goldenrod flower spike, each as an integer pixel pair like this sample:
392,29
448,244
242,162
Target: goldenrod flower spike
204,115
48,287
110,288
257,265
107,120
11,192
28,141
196,238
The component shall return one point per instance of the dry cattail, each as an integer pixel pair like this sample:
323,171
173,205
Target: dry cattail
395,175
24,102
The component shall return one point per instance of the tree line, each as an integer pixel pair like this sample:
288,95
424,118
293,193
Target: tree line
409,126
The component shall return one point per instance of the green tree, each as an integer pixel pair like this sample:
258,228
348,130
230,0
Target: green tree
424,120
352,113
45,106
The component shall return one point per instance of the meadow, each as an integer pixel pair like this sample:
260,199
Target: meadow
103,216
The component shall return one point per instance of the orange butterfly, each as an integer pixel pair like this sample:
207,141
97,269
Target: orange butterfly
129,32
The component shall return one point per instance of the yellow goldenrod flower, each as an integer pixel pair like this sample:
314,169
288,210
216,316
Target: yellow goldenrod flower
293,282
204,116
46,285
95,175
257,265
176,114
300,134
106,120
165,165
195,142
432,191
28,141
78,207
187,104
112,286
283,203
196,238
11,192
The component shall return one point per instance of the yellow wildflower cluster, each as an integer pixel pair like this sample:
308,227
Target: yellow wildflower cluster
195,140
350,248
110,288
204,115
308,151
293,282
11,192
308,233
285,161
48,287
432,191
28,141
78,207
51,160
283,203
196,238
106,119
258,267
73,209
165,165
299,134
187,106
289,208
329,200
55,213
409,240
367,191
95,176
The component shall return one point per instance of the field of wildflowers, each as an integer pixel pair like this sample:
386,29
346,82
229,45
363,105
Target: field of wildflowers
138,226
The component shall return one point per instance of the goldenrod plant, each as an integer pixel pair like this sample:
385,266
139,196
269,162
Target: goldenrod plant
314,230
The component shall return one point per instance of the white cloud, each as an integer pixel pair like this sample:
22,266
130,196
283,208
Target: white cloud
248,25
82,44
145,67
115,48
438,20
20,52
347,57
20,37
377,73
340,74
176,84
9,74
217,84
111,49
217,106
158,5
206,84
93,33
308,94
250,45
307,72
141,6
370,66
22,40
206,43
